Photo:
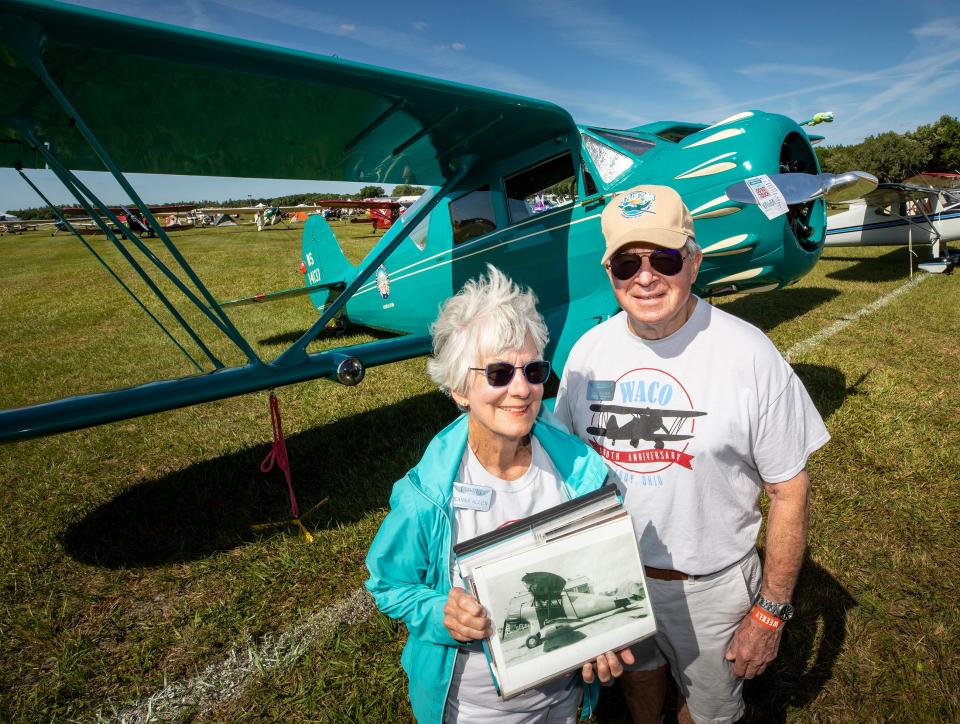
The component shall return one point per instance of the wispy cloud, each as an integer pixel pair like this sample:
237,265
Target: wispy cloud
872,99
592,29
419,25
458,46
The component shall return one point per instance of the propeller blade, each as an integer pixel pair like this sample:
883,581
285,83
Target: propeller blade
799,188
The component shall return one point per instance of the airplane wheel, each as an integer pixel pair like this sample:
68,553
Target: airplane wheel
659,445
533,641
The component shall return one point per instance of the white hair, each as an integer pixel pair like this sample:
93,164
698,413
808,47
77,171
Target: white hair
691,247
490,316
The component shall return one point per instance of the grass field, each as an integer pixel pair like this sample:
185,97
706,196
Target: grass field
128,562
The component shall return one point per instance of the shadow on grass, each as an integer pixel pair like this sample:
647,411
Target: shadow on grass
767,311
325,334
884,268
811,644
210,507
827,386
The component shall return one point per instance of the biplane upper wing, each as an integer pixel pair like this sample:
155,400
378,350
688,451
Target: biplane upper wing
326,118
82,89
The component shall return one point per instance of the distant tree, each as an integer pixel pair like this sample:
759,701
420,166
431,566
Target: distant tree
942,140
408,190
889,156
892,157
368,192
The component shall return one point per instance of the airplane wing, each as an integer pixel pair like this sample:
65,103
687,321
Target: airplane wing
389,126
87,82
888,194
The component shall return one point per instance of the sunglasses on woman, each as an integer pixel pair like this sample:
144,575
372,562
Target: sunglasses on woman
500,374
663,261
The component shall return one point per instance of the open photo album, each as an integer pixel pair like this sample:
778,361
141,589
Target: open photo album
560,588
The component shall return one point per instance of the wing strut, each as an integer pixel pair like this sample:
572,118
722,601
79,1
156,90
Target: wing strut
85,196
63,220
26,40
297,352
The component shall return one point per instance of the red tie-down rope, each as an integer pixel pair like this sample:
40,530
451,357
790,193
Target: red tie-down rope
277,457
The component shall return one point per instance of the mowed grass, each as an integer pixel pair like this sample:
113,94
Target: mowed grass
127,555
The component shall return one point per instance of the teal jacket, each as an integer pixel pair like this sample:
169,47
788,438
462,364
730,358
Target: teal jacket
409,560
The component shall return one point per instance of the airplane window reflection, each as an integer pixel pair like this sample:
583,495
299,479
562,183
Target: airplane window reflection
540,188
472,215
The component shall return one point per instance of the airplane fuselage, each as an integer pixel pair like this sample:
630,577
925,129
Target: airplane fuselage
863,225
490,219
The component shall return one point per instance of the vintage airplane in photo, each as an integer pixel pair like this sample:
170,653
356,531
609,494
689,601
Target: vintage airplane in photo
923,210
78,95
645,423
552,609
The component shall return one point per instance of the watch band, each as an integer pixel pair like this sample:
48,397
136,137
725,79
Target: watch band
783,611
765,619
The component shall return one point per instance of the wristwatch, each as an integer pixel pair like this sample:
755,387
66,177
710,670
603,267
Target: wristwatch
783,611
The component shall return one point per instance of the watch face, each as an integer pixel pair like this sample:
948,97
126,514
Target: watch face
783,611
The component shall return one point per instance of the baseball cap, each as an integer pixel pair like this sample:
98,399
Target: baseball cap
654,214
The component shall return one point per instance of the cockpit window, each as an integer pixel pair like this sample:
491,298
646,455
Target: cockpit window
540,188
636,146
610,163
472,215
419,234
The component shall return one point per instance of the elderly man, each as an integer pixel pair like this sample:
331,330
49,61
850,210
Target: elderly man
696,413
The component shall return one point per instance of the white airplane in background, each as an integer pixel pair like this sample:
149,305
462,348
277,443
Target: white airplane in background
925,209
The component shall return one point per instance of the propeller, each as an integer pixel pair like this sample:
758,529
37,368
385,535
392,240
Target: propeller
799,188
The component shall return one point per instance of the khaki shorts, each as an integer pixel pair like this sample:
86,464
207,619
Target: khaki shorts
695,623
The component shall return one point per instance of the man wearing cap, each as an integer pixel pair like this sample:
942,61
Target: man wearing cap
696,413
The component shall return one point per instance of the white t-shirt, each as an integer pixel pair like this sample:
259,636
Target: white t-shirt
692,425
537,489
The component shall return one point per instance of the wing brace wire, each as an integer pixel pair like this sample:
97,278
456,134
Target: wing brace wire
25,38
81,194
70,227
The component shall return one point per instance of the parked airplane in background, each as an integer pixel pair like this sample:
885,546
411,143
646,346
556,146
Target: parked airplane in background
925,209
83,99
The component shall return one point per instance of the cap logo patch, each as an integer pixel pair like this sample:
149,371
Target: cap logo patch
637,203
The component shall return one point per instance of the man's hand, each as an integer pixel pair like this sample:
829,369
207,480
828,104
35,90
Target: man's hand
752,648
464,617
608,666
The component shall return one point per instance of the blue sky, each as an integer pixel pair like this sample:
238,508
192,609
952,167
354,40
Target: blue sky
882,65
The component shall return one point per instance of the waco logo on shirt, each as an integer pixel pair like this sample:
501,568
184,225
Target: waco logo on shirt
642,421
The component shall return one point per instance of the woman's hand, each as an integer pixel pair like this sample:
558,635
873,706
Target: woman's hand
464,617
608,666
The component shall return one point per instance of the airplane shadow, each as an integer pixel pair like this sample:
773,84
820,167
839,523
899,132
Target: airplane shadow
884,268
767,311
328,333
810,647
210,506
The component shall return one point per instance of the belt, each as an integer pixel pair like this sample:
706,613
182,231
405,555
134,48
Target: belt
666,574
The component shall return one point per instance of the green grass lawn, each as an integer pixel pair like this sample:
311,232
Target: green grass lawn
128,560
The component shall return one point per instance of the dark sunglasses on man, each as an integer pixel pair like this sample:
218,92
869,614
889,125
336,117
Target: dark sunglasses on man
626,265
500,374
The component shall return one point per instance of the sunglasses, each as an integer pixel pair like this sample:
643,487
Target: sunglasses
500,374
663,261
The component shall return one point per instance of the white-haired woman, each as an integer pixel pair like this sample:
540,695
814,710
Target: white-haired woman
488,345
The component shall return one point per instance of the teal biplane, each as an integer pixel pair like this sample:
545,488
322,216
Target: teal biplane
515,183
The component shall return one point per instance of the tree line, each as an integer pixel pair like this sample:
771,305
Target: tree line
895,156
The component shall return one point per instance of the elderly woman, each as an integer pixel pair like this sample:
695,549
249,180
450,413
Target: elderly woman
488,345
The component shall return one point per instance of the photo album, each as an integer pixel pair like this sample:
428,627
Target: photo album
560,587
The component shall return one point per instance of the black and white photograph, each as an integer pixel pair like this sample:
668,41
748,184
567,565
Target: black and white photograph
563,603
